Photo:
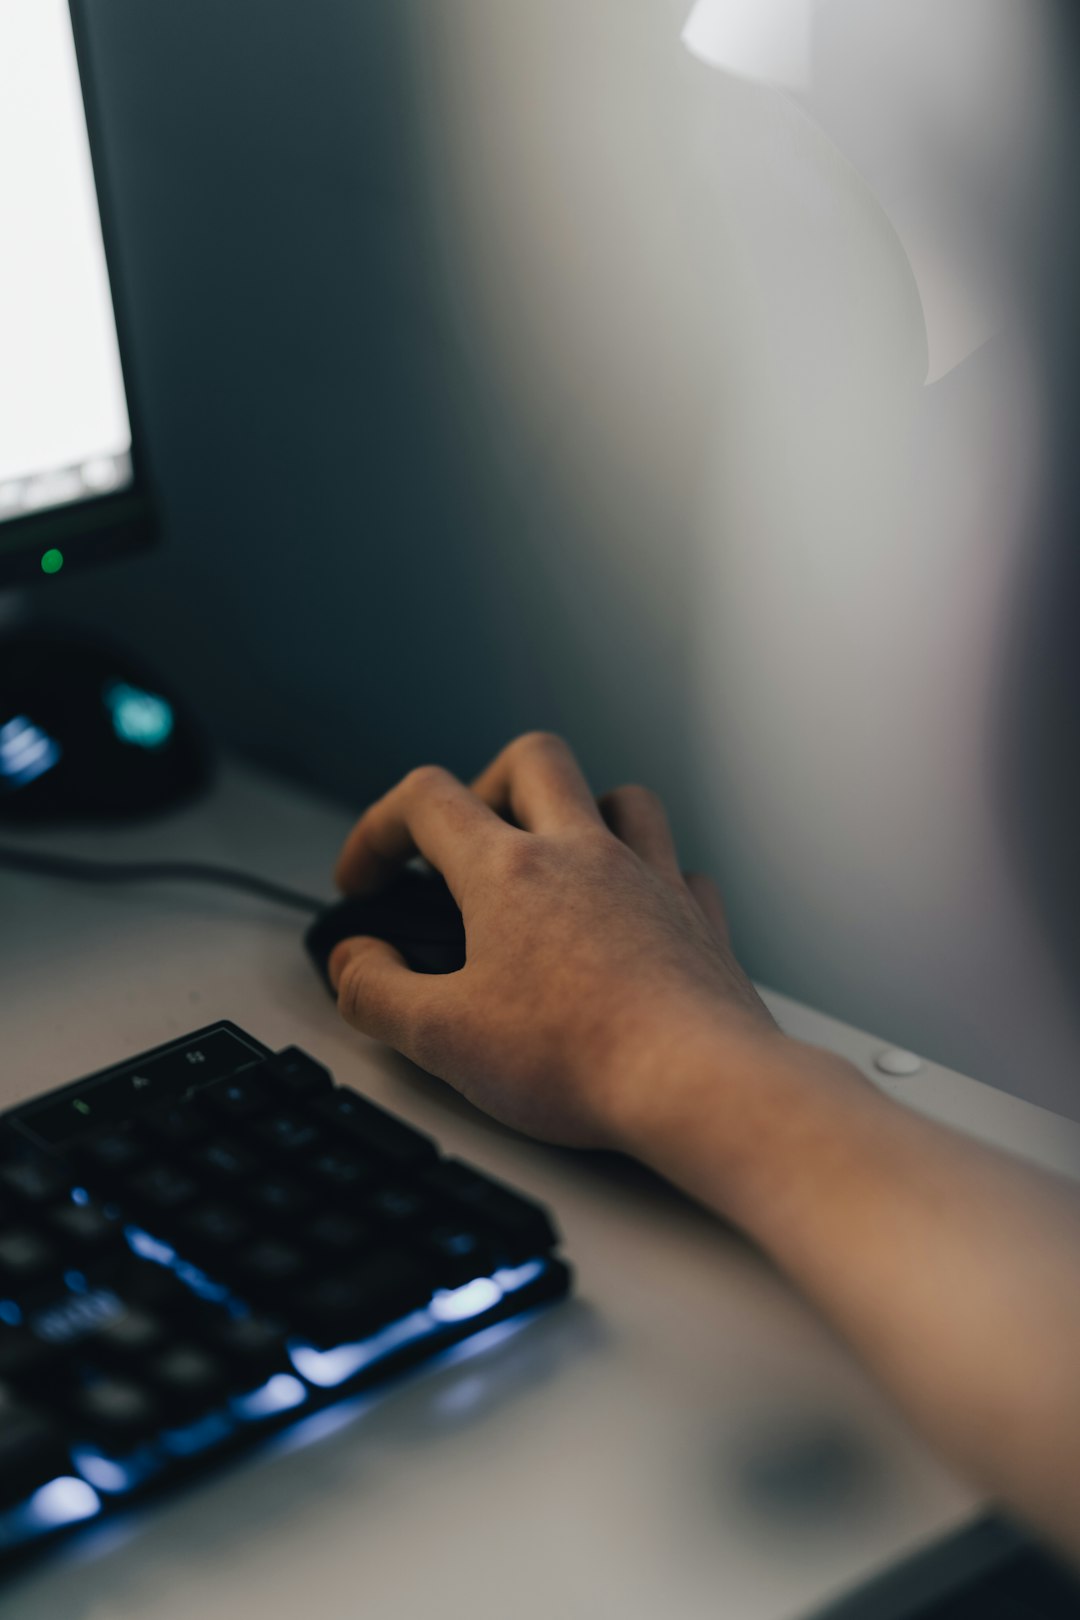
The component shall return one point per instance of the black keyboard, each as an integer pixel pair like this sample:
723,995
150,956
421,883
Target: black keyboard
209,1241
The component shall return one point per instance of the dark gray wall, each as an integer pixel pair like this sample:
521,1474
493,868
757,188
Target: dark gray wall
327,591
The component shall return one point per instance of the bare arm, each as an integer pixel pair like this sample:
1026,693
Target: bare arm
601,1005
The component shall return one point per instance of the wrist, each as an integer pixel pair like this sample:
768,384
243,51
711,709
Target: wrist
735,1112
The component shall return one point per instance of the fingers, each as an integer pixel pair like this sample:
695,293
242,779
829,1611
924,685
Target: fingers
380,996
539,784
710,901
638,818
429,813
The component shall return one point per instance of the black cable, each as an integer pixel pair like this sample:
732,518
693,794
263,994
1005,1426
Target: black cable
72,866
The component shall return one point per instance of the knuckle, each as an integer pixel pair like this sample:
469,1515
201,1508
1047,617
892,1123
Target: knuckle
517,859
541,742
424,779
635,796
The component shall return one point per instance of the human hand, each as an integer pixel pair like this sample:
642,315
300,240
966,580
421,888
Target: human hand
594,966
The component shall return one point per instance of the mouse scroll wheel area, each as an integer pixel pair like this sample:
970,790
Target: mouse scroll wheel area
402,924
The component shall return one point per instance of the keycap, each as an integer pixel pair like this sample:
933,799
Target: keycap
383,1287
225,1160
340,1175
131,1335
115,1413
148,1287
214,1226
521,1227
33,1181
280,1197
268,1262
253,1346
282,1133
161,1187
234,1099
295,1073
32,1448
457,1254
74,1315
25,1255
175,1125
376,1130
21,1356
83,1224
116,1149
339,1234
398,1206
188,1378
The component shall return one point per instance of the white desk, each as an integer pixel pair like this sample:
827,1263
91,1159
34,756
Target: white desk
634,1453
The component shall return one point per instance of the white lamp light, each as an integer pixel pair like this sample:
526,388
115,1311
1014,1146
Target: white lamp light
759,39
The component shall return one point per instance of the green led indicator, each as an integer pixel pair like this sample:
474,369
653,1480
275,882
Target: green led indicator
81,1107
52,561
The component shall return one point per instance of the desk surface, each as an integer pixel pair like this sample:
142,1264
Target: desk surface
683,1439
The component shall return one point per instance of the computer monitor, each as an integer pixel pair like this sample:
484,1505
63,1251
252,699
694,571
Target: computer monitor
72,488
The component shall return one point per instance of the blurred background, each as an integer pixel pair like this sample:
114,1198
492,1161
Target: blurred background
694,379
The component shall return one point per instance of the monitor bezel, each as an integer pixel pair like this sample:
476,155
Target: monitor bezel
103,526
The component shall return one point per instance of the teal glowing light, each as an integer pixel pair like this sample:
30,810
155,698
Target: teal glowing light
138,717
52,561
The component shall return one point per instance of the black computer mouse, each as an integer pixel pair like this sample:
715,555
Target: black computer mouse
88,734
417,914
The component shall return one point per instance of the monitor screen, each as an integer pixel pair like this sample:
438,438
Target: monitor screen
67,466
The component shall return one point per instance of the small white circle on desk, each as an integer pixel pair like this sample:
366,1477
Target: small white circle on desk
898,1063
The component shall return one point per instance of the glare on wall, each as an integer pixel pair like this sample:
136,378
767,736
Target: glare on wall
759,39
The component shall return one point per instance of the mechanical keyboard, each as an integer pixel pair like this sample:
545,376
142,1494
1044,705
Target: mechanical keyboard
205,1242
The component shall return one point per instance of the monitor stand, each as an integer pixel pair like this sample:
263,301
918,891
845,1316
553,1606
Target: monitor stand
87,732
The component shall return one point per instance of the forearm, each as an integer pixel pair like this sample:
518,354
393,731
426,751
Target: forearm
602,1005
953,1270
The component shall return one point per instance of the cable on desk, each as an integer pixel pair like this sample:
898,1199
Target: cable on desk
82,871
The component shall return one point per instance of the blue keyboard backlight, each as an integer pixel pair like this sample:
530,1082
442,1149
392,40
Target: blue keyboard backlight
281,1393
62,1501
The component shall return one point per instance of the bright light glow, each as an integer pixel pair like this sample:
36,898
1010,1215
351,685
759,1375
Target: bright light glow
148,1247
328,1368
279,1394
512,1279
101,1471
62,400
26,752
110,1475
758,39
140,718
62,1501
200,1283
10,1312
79,1195
77,1315
458,1304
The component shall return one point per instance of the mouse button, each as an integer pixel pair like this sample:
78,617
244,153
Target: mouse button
425,956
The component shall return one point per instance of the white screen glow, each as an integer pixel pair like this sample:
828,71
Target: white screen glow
64,426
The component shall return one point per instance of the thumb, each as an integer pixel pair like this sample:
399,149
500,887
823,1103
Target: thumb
379,994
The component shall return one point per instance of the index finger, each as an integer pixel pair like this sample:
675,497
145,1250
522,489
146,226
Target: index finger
428,813
538,781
